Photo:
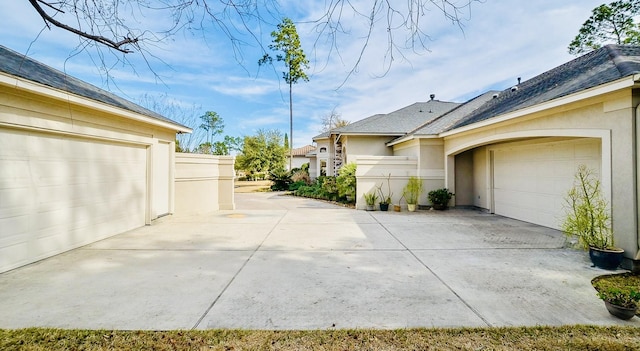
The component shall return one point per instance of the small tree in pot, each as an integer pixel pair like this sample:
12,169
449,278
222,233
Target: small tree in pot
411,192
385,199
588,219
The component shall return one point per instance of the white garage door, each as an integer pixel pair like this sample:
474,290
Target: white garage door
58,193
530,182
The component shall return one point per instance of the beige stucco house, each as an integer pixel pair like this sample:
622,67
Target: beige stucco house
77,164
515,152
300,156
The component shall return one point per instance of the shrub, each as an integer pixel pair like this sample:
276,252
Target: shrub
297,185
281,180
301,176
330,187
346,180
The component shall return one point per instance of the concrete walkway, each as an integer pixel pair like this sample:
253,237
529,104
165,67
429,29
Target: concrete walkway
287,263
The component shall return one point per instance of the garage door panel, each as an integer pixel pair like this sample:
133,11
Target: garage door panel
58,192
530,181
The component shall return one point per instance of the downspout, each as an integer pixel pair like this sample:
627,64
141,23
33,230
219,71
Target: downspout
636,160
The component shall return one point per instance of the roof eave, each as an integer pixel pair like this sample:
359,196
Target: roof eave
50,92
622,83
411,137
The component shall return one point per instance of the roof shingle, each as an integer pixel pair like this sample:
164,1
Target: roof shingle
607,64
22,66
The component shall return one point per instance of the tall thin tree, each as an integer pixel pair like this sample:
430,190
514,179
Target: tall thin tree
287,41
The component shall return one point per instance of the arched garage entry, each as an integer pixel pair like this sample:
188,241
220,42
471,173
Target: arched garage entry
526,178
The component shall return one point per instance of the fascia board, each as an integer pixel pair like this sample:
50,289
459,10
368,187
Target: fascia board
53,93
620,84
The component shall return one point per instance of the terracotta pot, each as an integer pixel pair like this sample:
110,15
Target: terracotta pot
397,208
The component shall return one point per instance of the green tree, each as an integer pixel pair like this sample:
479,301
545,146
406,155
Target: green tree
287,41
213,124
608,24
262,152
286,141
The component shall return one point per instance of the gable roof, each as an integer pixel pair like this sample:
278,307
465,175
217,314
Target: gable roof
398,122
607,64
21,66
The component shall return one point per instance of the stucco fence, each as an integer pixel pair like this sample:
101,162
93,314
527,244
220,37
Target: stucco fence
203,183
375,171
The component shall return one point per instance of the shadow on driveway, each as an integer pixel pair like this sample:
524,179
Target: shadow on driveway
280,262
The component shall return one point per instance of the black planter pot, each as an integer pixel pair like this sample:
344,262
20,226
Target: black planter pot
384,207
609,259
620,312
439,207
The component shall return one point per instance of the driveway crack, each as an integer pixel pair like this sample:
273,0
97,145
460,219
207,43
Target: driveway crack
244,264
475,311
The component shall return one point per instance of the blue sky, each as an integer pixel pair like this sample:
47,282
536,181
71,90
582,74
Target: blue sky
501,40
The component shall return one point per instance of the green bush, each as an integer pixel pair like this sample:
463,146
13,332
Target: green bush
323,188
346,180
281,180
297,185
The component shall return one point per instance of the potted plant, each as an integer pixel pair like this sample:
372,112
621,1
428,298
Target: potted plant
588,219
440,198
370,199
398,207
411,192
620,293
385,200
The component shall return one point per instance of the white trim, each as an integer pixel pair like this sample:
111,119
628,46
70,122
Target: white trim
620,84
43,90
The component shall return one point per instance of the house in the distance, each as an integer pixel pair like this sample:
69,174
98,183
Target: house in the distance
300,156
77,163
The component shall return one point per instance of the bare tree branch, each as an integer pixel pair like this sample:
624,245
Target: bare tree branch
124,26
97,38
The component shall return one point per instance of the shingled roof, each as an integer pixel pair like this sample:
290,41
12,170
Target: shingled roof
607,64
301,151
400,121
19,65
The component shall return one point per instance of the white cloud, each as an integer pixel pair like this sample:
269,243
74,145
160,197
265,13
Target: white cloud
502,40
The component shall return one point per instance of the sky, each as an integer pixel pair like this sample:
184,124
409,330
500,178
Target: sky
496,42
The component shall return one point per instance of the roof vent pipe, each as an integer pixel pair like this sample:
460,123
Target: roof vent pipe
519,79
432,96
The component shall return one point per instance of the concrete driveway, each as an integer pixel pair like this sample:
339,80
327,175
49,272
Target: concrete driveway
279,262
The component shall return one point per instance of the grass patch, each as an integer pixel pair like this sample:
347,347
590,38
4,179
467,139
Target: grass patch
521,338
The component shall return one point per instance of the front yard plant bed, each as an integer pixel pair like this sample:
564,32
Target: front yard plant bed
515,338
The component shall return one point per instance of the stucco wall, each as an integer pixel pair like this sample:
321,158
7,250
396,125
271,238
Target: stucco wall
372,172
82,171
609,118
204,183
357,146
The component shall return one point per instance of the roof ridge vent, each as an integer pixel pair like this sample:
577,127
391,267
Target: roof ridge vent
432,96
